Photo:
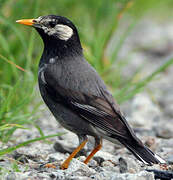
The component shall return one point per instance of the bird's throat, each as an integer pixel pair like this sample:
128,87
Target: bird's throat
60,50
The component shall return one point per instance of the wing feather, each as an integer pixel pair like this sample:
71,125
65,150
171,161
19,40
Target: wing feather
100,110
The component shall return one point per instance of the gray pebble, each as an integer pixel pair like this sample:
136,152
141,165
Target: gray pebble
164,132
123,165
11,176
170,159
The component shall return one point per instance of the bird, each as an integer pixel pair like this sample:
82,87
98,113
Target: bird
76,95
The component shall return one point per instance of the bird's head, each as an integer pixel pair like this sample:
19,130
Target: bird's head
54,30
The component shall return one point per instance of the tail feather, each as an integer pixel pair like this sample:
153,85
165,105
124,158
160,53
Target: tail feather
142,153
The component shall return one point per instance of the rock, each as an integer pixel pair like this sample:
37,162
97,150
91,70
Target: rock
167,102
20,157
11,176
170,159
143,111
56,157
79,167
151,143
164,131
109,175
129,165
107,163
162,174
78,178
38,176
76,170
143,175
92,163
107,156
98,159
59,175
123,165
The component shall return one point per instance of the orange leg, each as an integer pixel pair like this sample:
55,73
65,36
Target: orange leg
97,148
73,154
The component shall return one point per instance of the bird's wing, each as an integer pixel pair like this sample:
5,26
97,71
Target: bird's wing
101,111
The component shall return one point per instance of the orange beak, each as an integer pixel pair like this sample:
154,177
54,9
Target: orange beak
28,22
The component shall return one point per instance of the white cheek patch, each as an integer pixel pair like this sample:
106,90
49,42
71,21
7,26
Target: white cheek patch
63,32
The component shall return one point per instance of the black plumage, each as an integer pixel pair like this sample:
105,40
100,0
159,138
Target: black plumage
75,93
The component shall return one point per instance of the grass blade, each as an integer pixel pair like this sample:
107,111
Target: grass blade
12,63
13,148
140,85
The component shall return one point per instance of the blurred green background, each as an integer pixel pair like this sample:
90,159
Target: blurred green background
97,22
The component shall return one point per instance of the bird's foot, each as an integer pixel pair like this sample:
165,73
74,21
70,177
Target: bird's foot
64,165
50,165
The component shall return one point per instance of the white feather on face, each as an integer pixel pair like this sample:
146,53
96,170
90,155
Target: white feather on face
63,32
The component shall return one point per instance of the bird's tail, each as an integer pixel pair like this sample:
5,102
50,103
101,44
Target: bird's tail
141,152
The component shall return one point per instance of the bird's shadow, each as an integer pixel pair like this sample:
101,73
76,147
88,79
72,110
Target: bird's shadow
66,149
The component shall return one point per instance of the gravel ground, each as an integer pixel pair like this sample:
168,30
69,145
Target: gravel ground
150,113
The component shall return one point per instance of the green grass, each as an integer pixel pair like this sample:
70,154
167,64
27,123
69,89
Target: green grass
8,150
97,22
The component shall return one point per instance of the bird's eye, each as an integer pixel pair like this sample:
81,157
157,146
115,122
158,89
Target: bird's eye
52,24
